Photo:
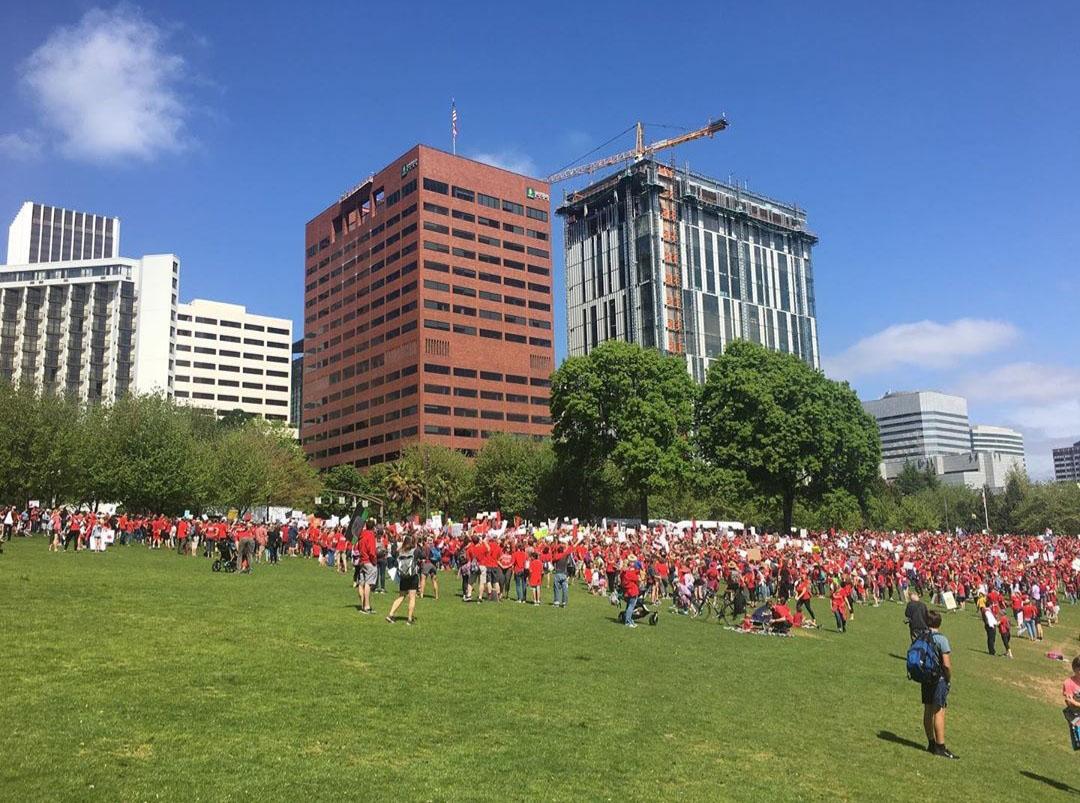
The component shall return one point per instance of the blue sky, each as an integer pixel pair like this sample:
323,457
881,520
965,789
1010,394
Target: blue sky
934,146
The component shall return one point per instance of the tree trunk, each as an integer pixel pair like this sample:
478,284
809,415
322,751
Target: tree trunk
789,505
643,507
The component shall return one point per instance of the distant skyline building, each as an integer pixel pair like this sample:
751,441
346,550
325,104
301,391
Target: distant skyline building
43,233
296,392
94,329
1067,463
931,431
674,260
1002,440
920,424
427,311
230,359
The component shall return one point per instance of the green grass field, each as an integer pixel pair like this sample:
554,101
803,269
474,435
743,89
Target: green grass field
136,675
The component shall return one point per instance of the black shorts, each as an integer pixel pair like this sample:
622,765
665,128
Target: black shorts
408,582
936,694
429,569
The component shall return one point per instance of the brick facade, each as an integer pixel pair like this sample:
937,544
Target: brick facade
428,311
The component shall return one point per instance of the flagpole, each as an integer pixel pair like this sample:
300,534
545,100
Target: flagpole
453,126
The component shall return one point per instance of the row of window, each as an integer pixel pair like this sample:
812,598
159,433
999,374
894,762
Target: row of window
489,376
465,290
229,383
472,412
253,327
490,222
351,389
247,355
490,201
490,334
247,341
366,236
489,259
486,314
227,397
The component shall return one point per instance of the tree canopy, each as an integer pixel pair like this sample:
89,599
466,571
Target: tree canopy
627,406
793,432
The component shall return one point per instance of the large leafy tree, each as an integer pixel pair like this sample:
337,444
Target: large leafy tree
631,406
515,475
795,433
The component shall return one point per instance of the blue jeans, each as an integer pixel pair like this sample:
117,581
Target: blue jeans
519,585
560,588
631,603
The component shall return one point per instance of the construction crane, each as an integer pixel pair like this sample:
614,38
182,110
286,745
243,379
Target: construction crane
640,150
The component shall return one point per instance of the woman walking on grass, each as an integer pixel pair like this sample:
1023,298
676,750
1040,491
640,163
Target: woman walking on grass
408,567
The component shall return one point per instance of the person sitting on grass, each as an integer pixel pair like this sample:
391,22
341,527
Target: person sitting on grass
408,567
781,618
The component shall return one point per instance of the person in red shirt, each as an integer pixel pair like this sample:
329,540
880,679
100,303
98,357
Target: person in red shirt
518,560
802,597
368,571
536,575
840,607
630,580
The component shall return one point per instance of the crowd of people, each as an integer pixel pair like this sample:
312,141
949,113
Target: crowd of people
1017,578
769,582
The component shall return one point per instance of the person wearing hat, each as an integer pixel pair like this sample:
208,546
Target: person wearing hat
630,580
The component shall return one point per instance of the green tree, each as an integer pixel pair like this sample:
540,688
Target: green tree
912,479
516,476
629,406
793,432
403,490
443,476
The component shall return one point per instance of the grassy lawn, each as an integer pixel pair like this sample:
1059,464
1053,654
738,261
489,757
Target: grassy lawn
136,675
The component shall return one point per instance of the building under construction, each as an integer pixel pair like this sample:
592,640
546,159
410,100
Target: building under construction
675,260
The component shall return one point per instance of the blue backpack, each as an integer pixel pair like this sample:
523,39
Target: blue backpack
436,555
924,660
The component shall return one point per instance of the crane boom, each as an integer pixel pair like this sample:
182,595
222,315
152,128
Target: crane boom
639,151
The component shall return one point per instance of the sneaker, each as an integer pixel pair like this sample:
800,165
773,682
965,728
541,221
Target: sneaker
412,621
930,746
944,752
631,624
390,619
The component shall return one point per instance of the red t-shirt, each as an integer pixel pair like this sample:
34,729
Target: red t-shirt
519,557
630,582
536,571
367,546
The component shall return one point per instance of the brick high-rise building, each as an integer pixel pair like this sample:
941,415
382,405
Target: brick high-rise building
427,311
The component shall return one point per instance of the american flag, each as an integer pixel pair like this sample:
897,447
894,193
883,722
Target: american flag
453,118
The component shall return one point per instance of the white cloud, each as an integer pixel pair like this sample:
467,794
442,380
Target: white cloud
1022,382
108,86
923,344
513,160
1057,420
20,147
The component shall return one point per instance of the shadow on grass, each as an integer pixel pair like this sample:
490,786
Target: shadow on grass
897,657
889,736
1064,787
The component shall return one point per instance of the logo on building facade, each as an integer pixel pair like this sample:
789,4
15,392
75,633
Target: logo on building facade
405,168
533,194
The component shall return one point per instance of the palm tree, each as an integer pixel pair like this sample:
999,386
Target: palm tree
404,489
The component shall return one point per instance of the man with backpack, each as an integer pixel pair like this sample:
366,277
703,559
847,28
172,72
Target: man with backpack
929,662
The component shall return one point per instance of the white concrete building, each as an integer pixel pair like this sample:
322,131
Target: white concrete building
95,329
920,424
229,359
42,233
987,438
931,430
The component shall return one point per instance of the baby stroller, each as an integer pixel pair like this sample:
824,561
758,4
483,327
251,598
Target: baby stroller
226,562
641,611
